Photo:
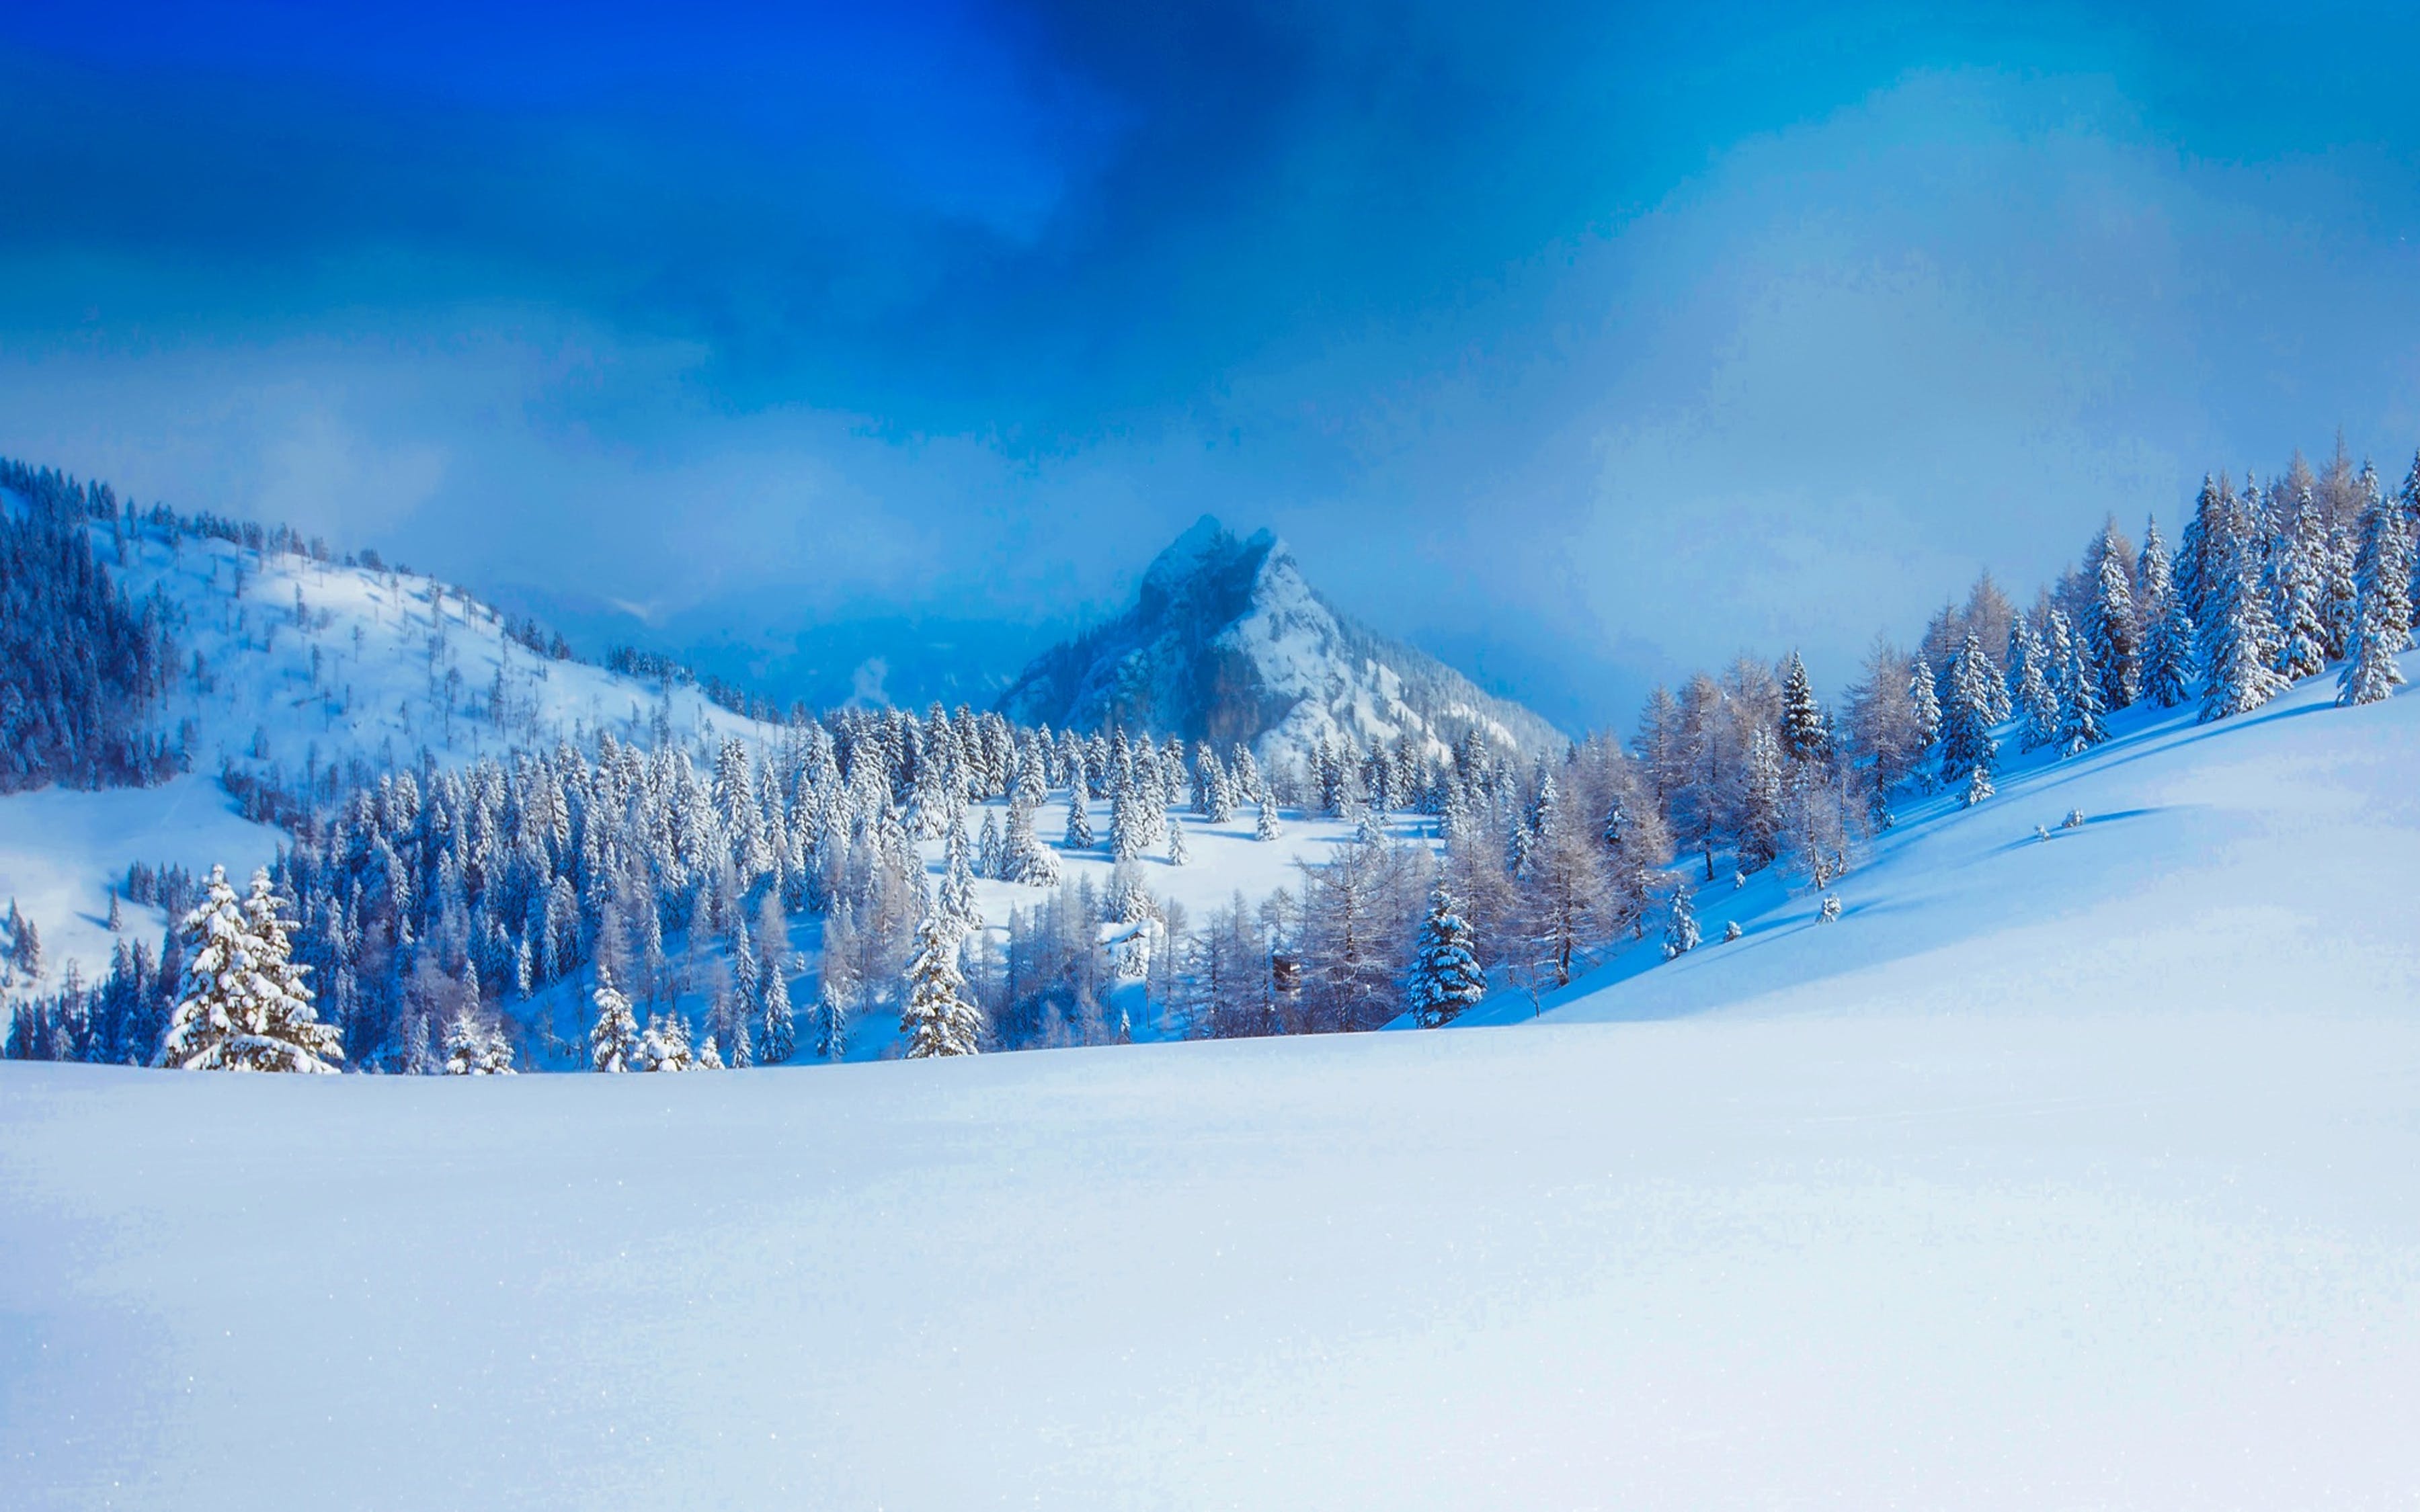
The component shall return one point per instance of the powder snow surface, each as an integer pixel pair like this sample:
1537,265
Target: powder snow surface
2072,1173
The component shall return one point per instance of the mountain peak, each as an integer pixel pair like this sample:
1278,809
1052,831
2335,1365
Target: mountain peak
1227,642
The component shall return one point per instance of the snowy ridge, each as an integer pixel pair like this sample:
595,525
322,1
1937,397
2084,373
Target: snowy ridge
1227,642
308,666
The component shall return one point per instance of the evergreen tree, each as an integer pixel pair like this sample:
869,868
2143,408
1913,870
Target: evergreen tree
665,1045
1805,738
1178,854
1079,823
1681,924
243,1005
2035,697
1265,826
2080,725
2240,649
2295,554
938,1020
473,1048
614,1038
1966,740
1928,704
2382,626
1759,820
1979,786
1446,979
2168,627
777,1030
2112,643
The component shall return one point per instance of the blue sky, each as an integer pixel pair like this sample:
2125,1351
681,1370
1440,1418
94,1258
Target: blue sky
1581,343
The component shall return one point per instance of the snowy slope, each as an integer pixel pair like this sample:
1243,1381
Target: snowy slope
62,852
308,664
1227,643
371,669
2066,1173
2269,857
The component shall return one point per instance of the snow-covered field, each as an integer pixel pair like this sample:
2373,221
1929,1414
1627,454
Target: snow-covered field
2071,1173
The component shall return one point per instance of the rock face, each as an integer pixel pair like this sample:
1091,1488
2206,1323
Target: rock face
1227,643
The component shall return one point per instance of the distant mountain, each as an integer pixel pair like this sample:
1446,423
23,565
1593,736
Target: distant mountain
762,641
1227,643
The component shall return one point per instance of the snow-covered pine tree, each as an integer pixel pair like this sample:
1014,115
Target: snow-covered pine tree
475,1048
957,895
665,1045
2382,626
1966,740
2167,625
1177,853
937,1019
777,1030
2036,698
1025,859
1806,737
1680,934
1758,819
1265,826
2112,640
2239,644
613,1037
243,1005
2296,551
1928,704
1978,787
1446,981
2080,723
990,858
1080,822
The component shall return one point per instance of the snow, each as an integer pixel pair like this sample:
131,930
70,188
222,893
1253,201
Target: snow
2069,1172
2272,853
378,696
387,645
62,851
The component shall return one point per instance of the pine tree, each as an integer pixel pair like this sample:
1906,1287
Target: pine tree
473,1048
1178,854
2112,644
1805,738
2168,627
614,1038
938,1020
1266,827
2240,645
2382,626
1928,704
1759,819
1978,787
243,1005
1079,823
777,1030
2080,725
1446,979
2295,561
1681,924
665,1045
2034,696
1966,740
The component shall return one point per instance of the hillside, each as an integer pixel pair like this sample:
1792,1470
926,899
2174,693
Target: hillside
300,675
1227,642
2065,1172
